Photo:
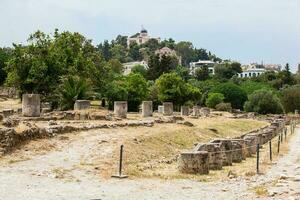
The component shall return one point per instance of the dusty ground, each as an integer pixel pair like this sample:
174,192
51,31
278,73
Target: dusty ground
76,166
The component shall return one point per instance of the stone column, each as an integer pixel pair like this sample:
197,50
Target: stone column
147,109
31,105
82,105
160,109
120,109
194,162
185,111
196,112
296,112
168,108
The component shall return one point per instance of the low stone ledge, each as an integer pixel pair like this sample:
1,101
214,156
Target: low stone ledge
194,162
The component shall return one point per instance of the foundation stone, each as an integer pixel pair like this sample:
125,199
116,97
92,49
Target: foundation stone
194,162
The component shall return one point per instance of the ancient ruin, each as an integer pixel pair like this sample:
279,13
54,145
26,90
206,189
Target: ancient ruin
120,109
31,105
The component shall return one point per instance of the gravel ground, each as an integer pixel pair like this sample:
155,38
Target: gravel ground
43,177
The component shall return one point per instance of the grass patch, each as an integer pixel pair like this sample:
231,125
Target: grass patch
261,191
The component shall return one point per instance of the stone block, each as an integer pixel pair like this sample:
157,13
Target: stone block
82,105
147,109
196,111
237,152
214,154
120,109
7,112
31,105
244,150
185,111
205,112
226,147
194,162
161,109
168,108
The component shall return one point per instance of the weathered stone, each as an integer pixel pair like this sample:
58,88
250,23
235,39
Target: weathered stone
196,111
237,152
82,105
161,109
226,146
251,142
147,109
46,110
120,109
194,162
214,154
7,112
205,112
168,108
31,105
244,149
185,111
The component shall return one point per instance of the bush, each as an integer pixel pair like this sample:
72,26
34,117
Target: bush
251,86
291,98
214,99
171,87
263,102
224,107
71,89
233,94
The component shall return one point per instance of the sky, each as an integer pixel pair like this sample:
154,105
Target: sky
242,30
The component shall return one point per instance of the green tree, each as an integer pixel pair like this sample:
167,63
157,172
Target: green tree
251,86
186,51
214,99
227,70
71,89
115,66
117,91
134,52
118,52
233,94
5,54
172,87
202,73
137,89
291,98
139,69
263,102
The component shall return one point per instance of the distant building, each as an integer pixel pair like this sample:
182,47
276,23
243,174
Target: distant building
140,38
128,66
168,52
254,69
201,63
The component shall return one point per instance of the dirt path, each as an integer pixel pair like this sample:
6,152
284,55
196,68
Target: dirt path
56,175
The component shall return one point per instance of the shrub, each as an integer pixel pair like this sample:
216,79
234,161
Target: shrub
71,89
224,107
263,102
171,87
291,98
233,94
214,99
251,86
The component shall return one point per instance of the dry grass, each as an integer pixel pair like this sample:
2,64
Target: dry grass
153,155
10,104
261,191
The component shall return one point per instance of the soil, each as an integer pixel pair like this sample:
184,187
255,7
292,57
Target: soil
68,167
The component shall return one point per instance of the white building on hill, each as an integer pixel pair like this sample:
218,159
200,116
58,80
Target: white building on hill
128,66
140,38
201,63
254,69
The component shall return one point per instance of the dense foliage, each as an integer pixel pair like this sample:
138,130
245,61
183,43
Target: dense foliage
263,102
66,66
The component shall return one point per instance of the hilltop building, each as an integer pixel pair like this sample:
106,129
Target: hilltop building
140,38
201,63
254,69
166,51
128,66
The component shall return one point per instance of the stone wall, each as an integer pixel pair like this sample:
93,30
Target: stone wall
224,152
